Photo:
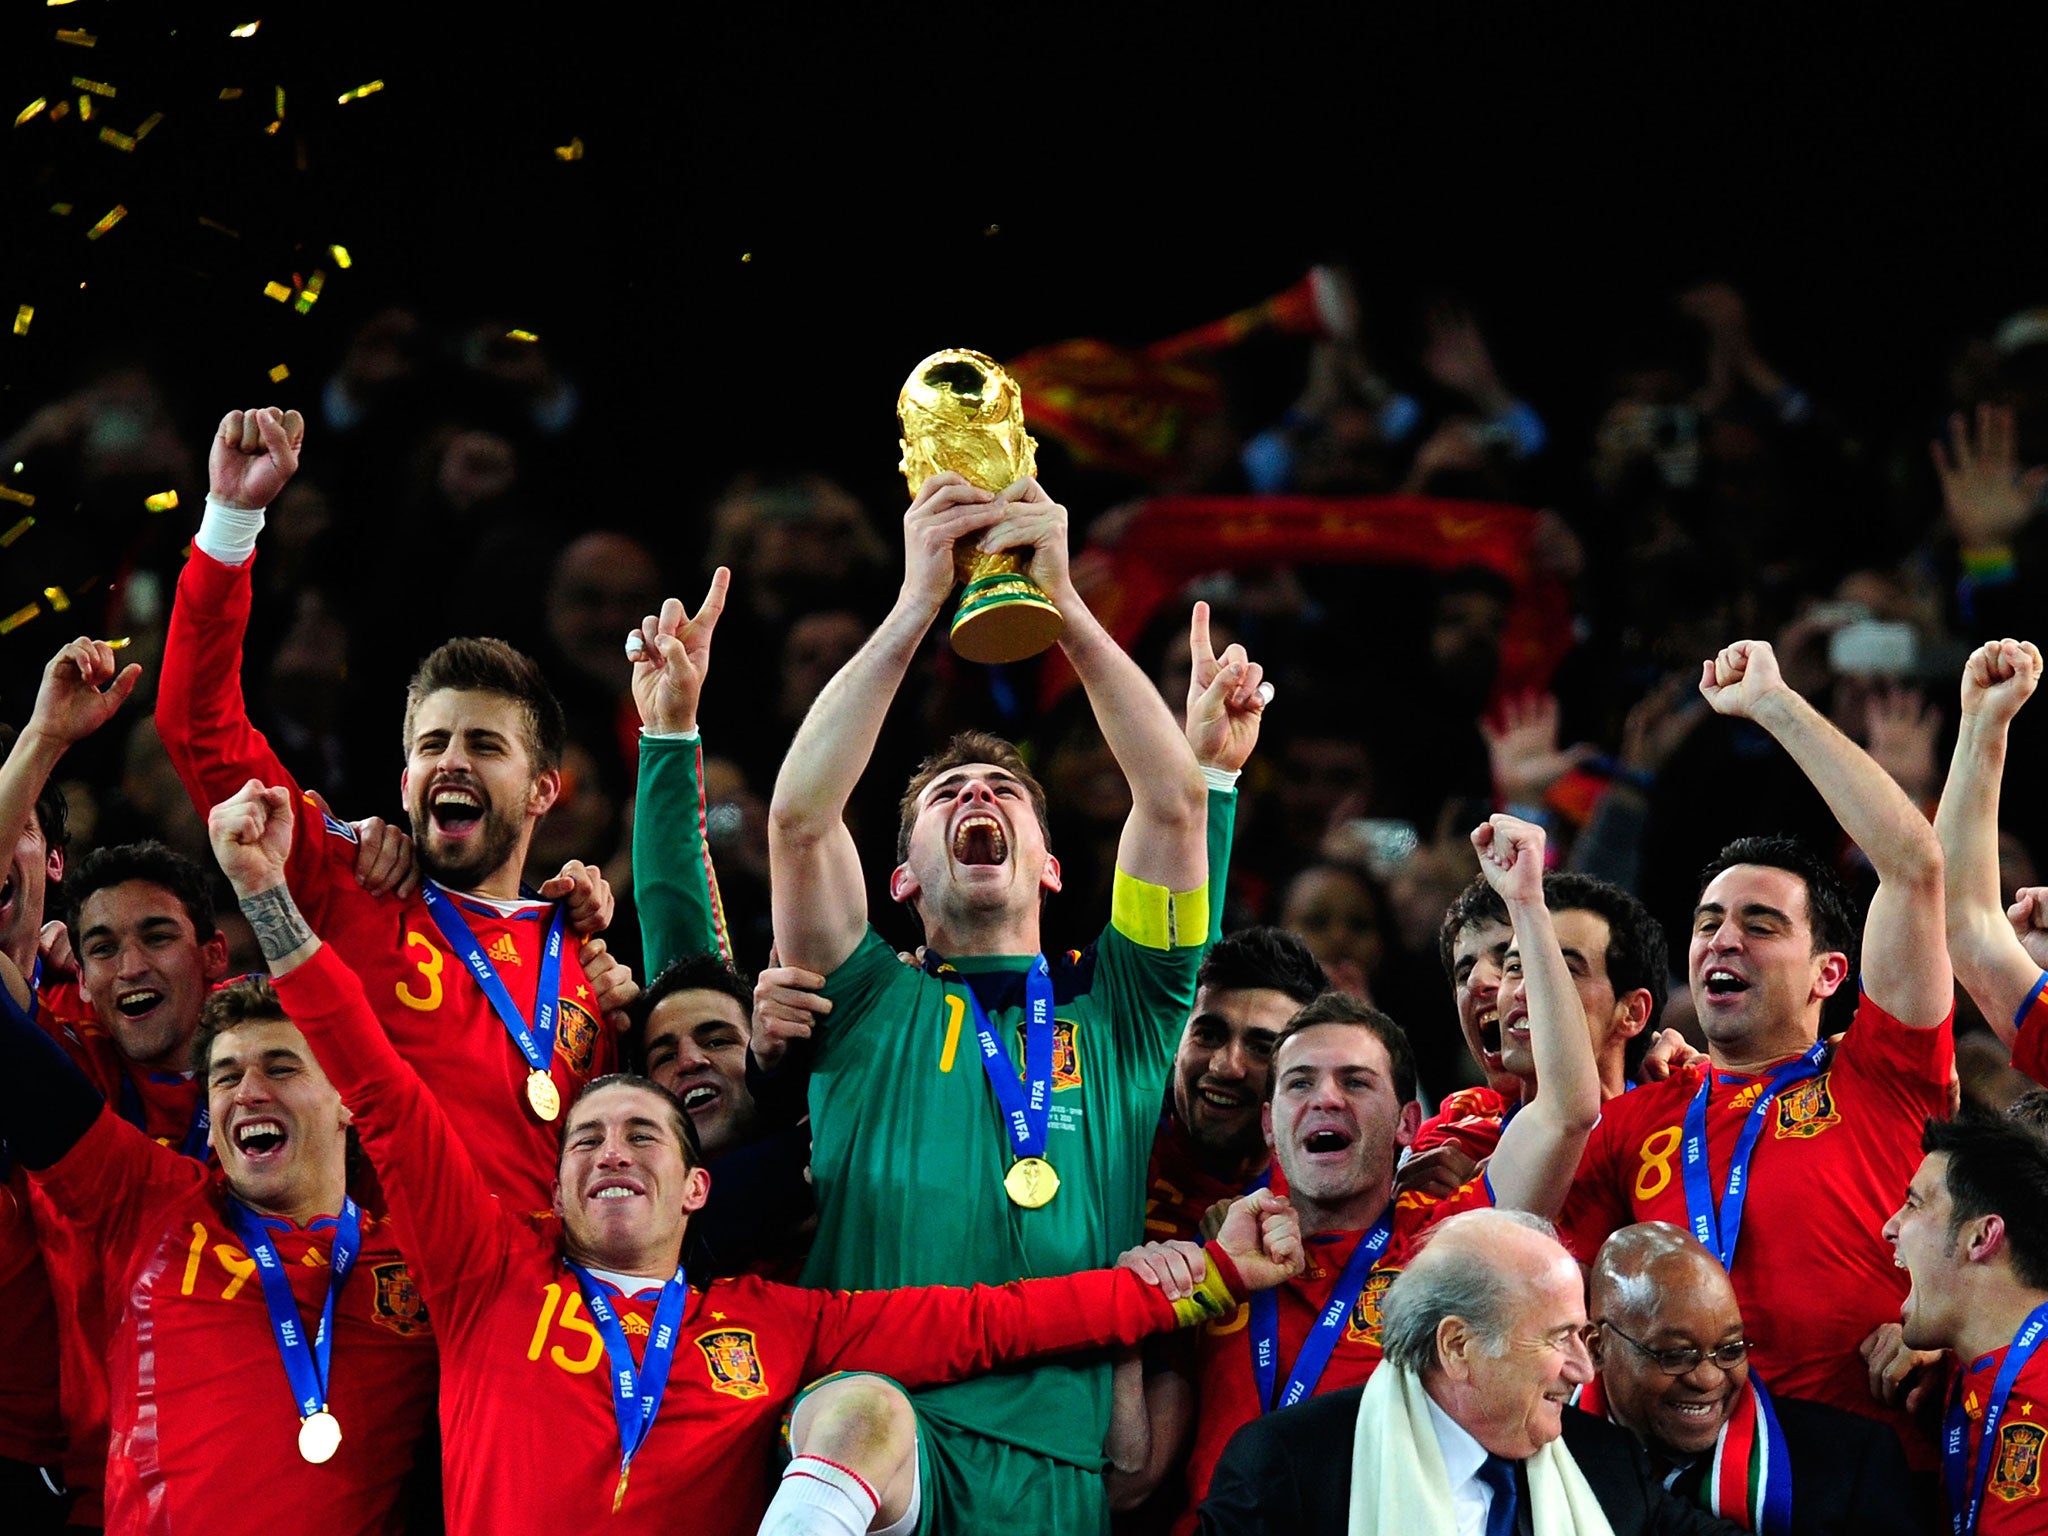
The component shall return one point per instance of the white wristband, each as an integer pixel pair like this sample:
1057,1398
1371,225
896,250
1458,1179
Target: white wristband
228,534
1223,780
647,735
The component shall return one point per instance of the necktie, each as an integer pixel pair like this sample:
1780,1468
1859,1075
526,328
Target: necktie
1498,1473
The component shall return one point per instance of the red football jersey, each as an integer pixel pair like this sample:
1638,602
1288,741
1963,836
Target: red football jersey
2030,1049
1178,1192
203,1418
1469,1119
1228,1392
422,992
2013,1501
530,1441
1812,1273
31,1424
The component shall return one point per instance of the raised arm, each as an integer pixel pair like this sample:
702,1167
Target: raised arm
819,897
1905,951
1989,959
1222,727
1539,1151
1164,842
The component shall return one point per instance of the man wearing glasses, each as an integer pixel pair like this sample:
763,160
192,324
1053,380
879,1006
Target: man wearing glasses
1674,1369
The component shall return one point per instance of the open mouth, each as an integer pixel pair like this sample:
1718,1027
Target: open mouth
1695,1413
615,1191
1722,982
978,839
133,1005
699,1096
1325,1142
1216,1099
260,1139
455,811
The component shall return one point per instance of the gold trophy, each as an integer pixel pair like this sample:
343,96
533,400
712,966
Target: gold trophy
961,412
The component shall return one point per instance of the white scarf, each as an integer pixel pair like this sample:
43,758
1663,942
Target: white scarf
1399,1486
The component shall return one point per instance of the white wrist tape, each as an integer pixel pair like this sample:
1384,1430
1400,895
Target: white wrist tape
228,534
1221,779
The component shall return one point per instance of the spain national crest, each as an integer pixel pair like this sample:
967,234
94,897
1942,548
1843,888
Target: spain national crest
575,1037
1364,1326
735,1367
2016,1474
1066,1056
1806,1109
398,1304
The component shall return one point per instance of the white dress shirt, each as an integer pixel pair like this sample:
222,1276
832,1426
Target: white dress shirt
1471,1499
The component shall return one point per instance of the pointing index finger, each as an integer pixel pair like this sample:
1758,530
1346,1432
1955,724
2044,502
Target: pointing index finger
1199,643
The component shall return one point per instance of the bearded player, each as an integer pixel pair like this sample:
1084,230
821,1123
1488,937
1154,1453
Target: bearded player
946,1149
480,987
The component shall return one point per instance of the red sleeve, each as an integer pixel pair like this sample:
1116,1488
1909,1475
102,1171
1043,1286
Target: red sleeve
112,1181
449,1225
1598,1202
2030,1047
1908,1067
204,721
927,1334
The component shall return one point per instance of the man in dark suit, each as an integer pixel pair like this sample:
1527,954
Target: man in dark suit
1675,1371
1464,1430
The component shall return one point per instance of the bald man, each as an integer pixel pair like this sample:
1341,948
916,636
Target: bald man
1674,1370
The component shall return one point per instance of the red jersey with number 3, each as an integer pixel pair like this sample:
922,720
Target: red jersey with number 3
2013,1500
1228,1386
423,993
2030,1049
1836,1153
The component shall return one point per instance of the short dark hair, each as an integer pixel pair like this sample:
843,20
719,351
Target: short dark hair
492,666
53,813
152,863
692,973
1997,1167
968,747
2031,1110
1830,912
1474,907
1270,958
1345,1008
686,1131
239,1002
1636,958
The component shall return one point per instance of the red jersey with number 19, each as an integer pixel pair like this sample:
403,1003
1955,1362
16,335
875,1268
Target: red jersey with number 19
421,990
1836,1153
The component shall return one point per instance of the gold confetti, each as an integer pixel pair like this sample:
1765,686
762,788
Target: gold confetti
147,126
357,94
246,29
77,36
271,128
114,216
55,3
16,531
58,601
121,644
120,141
276,290
746,255
62,210
162,501
342,259
521,336
311,295
280,102
85,108
21,118
97,87
231,93
22,316
60,111
19,617
233,234
279,374
573,150
9,493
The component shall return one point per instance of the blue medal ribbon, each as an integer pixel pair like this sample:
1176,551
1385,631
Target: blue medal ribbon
1322,1337
536,1040
636,1390
194,1145
305,1362
1966,1484
1026,1103
1718,1231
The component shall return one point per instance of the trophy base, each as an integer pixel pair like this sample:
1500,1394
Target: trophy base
1004,618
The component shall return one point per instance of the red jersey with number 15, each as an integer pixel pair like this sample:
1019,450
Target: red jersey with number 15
1836,1153
423,993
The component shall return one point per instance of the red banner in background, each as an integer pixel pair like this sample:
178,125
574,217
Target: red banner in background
1171,540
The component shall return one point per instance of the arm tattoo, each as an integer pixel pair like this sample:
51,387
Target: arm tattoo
279,928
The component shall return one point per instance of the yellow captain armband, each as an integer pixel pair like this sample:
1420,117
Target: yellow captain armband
1211,1302
1153,916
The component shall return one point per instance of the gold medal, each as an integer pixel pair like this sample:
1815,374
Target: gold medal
1031,1182
542,1094
319,1437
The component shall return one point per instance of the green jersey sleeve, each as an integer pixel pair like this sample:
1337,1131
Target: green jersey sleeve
675,886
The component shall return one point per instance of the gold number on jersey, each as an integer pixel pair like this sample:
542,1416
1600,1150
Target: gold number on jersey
1161,1193
239,1265
956,1011
571,1318
1655,1172
192,1257
430,969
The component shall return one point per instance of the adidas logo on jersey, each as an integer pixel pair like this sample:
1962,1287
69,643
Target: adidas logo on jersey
504,951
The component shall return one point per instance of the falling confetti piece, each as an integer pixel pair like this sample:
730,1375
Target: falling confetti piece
62,210
22,316
280,102
162,501
279,374
231,93
121,644
114,216
97,87
311,295
276,290
521,336
573,150
233,234
9,493
147,126
60,111
19,617
29,111
53,4
246,29
746,255
16,531
342,259
77,37
85,108
355,95
271,128
119,140
58,601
